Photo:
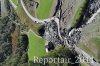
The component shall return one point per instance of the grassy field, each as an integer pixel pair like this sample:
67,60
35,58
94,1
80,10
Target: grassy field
90,39
44,8
36,46
42,11
93,48
78,12
87,50
84,64
26,20
96,40
15,2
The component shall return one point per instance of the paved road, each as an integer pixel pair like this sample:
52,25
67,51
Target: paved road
83,55
86,56
88,22
78,50
43,21
33,18
13,4
94,15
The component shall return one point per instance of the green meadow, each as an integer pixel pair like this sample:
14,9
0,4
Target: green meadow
44,8
36,46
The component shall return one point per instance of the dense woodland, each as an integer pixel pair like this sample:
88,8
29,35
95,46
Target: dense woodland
13,44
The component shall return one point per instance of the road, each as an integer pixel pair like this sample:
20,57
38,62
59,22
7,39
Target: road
86,57
82,55
77,49
80,51
33,18
43,21
13,4
94,15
